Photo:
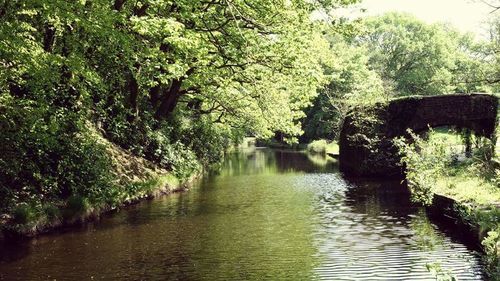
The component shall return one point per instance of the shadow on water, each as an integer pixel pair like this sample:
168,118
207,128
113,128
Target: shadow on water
266,214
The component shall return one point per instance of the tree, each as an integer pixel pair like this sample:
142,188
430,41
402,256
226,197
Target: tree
351,83
474,65
493,4
411,57
173,81
250,66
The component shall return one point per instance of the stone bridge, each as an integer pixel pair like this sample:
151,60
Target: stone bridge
366,147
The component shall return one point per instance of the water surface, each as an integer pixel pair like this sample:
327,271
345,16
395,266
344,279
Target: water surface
267,215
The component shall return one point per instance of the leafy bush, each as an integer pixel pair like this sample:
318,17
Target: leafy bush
48,155
207,140
24,213
175,157
78,204
51,212
424,162
492,248
317,147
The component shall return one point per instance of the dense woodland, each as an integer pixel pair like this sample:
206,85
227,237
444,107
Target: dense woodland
175,82
180,82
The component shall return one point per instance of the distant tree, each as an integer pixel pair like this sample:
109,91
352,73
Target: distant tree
411,57
350,83
476,64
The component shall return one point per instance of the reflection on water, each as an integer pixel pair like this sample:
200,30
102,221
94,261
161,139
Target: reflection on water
263,161
267,214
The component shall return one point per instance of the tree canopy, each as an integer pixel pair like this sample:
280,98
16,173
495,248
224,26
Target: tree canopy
396,55
175,82
251,65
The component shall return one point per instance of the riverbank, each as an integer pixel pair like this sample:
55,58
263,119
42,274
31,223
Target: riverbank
480,222
323,147
463,188
135,179
473,202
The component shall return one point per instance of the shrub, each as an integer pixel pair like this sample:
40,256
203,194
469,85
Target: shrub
51,212
48,154
77,204
85,168
24,213
491,246
317,147
207,140
175,157
424,162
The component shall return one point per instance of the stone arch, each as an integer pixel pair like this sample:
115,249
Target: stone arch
366,147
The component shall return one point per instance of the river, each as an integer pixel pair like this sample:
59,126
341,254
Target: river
266,215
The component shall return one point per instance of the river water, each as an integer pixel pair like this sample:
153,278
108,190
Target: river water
266,215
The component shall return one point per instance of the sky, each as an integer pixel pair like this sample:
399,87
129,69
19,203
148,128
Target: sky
466,15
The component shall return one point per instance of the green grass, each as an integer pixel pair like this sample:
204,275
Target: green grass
468,180
464,185
472,182
28,220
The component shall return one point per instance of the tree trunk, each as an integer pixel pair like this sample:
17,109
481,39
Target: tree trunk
468,143
49,37
133,89
169,100
154,96
118,4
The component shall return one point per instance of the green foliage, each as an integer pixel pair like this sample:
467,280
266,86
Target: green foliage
52,212
438,272
398,55
317,147
413,57
491,246
175,157
333,147
253,67
206,139
437,166
48,155
350,83
24,213
425,162
78,204
474,69
175,82
433,165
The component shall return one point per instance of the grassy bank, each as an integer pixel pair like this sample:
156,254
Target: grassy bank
134,178
439,165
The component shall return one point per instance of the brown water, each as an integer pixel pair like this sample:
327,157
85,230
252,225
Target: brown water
268,215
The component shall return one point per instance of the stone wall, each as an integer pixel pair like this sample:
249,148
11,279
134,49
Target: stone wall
366,147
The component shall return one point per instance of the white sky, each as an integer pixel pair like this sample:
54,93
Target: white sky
466,15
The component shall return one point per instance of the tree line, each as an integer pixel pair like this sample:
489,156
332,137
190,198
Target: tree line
179,82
